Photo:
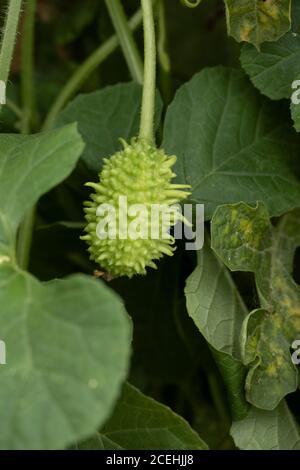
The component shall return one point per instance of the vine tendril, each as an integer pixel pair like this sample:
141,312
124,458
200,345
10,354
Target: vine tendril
191,3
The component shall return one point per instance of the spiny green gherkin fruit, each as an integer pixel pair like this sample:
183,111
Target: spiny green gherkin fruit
143,174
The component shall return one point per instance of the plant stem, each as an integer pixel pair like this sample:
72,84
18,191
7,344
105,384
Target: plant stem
27,91
85,69
14,108
163,57
126,39
148,101
217,397
8,38
27,79
25,239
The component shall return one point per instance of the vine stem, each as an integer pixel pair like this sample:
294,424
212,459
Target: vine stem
126,39
25,239
163,57
148,100
27,91
85,69
217,396
14,108
8,38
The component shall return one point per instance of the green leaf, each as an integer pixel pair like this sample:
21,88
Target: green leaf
241,235
29,167
218,311
257,21
104,117
246,241
267,430
141,423
273,69
68,345
232,143
213,302
233,373
267,352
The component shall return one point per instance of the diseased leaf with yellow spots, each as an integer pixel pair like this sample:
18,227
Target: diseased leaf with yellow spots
245,240
265,348
257,21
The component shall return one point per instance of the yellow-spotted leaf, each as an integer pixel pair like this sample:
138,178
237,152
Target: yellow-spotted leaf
245,240
257,21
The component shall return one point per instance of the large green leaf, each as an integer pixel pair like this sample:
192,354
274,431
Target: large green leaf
29,167
213,302
246,241
232,144
103,117
267,430
67,346
273,69
141,423
257,21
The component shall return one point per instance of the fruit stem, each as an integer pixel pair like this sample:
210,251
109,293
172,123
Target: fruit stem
148,100
8,42
126,39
